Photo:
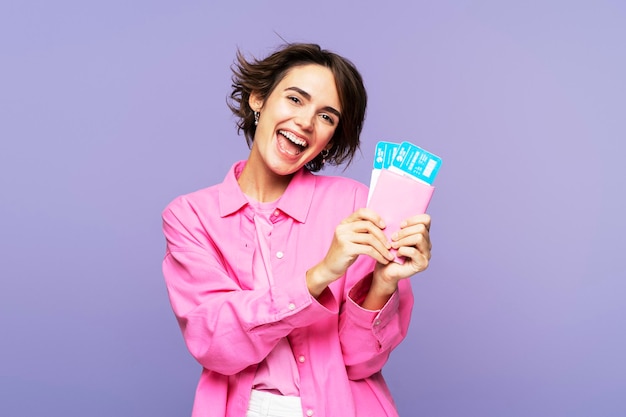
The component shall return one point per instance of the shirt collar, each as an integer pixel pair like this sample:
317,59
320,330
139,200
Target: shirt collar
297,199
295,202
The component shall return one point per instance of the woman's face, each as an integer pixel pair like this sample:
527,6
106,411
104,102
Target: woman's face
297,119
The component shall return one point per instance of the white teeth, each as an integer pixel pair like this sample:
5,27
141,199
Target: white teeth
293,138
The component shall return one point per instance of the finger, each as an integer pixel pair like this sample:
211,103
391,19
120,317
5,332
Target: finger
419,241
416,229
377,245
417,219
417,259
424,249
377,255
366,228
364,246
365,214
363,238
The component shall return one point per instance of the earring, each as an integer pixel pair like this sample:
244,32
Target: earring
256,117
324,154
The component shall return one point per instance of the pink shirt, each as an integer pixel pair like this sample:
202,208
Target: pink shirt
230,326
278,372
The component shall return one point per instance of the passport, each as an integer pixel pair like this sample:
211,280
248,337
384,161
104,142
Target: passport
401,184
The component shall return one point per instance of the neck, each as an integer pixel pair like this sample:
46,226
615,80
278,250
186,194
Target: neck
262,184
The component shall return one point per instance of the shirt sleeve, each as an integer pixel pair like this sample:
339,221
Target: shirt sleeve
368,337
225,327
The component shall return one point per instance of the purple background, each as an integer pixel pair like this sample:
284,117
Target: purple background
111,109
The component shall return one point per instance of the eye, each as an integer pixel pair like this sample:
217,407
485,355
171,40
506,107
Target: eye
327,118
294,99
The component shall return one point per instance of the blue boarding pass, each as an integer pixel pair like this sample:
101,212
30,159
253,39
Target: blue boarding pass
404,158
415,162
384,154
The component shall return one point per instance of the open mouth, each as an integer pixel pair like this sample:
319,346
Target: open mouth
293,145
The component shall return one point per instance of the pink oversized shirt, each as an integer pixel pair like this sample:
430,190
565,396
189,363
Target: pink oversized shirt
230,326
278,372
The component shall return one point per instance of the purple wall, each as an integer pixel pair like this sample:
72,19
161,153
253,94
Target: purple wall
109,111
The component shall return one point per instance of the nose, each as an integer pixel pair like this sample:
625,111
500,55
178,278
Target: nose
304,119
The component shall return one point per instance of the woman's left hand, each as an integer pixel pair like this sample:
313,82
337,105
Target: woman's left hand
413,243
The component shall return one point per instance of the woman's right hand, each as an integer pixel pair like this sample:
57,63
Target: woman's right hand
361,233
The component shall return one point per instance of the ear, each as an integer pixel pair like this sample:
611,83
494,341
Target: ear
328,146
255,101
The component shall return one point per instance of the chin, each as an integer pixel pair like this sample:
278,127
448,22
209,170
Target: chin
283,167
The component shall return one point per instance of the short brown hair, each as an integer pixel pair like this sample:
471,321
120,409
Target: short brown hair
262,76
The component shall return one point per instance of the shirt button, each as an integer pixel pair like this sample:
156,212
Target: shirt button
280,255
309,412
377,323
301,358
276,212
292,306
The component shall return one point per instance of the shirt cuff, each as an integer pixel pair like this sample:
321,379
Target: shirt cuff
298,308
374,319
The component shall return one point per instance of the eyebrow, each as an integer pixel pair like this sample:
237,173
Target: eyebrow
308,97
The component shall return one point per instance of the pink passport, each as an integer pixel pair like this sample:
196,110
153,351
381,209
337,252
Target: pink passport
396,198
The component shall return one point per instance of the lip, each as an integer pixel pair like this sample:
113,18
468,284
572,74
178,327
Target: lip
285,149
296,136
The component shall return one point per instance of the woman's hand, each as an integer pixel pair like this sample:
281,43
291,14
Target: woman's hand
413,243
359,234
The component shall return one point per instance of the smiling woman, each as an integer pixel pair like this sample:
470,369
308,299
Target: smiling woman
295,123
282,282
261,76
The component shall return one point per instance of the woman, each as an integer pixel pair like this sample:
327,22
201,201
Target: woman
282,282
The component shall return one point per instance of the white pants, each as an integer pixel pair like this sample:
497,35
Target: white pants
266,404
